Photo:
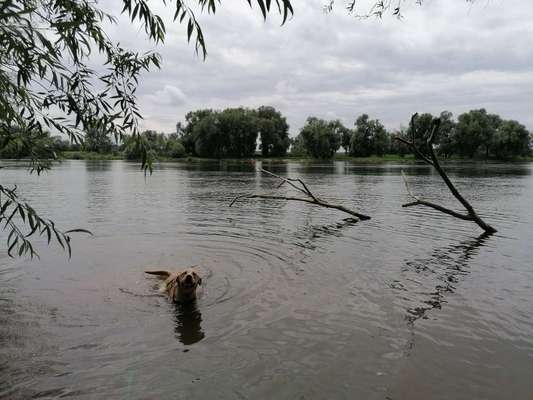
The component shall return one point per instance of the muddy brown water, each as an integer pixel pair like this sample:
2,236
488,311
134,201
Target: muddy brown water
297,302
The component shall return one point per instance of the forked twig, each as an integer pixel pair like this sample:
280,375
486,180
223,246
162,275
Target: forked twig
432,160
304,189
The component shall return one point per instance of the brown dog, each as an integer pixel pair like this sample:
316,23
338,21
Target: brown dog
179,286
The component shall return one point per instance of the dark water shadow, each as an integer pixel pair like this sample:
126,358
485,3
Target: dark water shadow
448,266
208,165
312,232
188,323
98,165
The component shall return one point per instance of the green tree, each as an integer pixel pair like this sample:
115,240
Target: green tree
17,143
231,132
158,144
369,137
298,146
511,139
321,138
97,141
475,132
239,131
344,132
156,141
208,139
187,131
60,144
131,147
446,139
420,127
346,137
273,131
397,147
174,147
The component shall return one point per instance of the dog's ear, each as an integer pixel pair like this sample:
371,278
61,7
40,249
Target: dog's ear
198,279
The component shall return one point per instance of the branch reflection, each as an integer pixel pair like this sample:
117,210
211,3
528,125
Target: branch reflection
449,265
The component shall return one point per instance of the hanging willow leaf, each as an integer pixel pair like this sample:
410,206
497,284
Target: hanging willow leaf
23,222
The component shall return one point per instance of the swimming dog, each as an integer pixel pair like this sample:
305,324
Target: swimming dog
181,286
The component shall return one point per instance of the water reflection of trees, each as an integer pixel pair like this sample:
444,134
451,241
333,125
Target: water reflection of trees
99,188
188,323
448,266
211,192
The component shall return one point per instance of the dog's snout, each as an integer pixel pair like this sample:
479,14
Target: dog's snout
188,278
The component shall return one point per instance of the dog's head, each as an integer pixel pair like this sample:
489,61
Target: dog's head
188,281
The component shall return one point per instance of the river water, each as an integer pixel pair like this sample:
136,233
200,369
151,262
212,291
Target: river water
297,302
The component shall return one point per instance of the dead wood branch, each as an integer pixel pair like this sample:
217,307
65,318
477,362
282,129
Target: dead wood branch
432,160
301,187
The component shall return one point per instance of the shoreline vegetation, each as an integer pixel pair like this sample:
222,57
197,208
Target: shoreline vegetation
263,134
407,159
371,160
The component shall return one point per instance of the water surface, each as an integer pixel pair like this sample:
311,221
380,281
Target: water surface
297,301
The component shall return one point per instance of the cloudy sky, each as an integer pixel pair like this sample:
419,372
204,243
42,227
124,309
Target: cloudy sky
444,55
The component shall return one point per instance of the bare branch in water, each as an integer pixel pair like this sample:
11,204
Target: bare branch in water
300,186
432,160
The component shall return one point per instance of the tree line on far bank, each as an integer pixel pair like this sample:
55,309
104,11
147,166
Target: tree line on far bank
475,134
17,145
234,133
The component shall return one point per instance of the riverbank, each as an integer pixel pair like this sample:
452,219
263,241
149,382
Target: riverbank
82,155
89,155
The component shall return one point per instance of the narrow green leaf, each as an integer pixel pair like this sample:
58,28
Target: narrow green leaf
5,206
58,237
80,230
22,213
189,29
263,8
12,246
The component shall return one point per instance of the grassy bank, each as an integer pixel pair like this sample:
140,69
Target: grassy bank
82,155
88,155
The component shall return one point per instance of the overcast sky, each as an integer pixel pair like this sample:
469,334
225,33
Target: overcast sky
444,55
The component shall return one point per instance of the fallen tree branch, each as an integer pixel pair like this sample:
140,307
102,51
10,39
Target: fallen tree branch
432,160
304,189
420,202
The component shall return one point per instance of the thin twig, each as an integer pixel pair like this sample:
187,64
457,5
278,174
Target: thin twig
420,202
284,180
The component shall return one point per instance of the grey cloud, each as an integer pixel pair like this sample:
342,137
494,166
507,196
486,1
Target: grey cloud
169,95
442,56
